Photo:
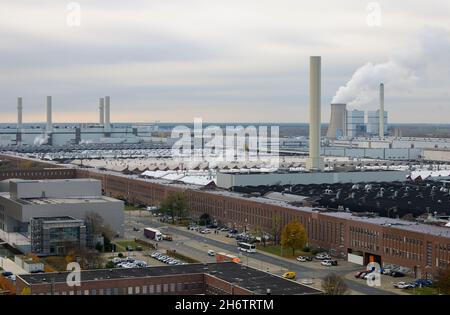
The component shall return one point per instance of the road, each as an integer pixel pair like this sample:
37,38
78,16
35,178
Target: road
301,269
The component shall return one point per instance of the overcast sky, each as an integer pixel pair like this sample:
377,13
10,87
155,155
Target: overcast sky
227,60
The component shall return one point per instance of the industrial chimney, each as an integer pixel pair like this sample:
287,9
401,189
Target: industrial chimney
314,162
19,113
381,114
49,114
107,115
102,111
338,121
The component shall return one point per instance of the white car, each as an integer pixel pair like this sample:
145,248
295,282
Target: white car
117,260
326,263
403,285
211,253
301,258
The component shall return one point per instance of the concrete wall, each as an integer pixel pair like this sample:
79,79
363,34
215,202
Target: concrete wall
230,180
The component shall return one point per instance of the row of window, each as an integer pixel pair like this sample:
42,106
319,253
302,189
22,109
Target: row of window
364,231
133,290
403,254
399,238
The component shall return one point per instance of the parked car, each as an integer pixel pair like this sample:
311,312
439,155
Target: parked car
322,256
326,262
363,274
129,248
155,254
403,285
139,248
369,275
7,273
136,229
359,273
211,253
301,258
397,274
423,283
289,275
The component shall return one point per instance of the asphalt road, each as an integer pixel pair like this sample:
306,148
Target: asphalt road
302,270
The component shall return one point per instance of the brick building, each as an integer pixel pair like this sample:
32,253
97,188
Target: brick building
423,249
225,278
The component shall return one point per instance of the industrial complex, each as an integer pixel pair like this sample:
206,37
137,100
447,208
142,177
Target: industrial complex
363,196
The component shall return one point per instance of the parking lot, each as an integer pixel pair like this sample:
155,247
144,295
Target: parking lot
196,244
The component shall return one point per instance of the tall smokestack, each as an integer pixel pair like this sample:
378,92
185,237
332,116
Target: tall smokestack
19,113
107,114
49,114
102,111
314,161
381,117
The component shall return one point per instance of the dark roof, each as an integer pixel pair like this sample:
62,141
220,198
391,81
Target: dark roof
249,278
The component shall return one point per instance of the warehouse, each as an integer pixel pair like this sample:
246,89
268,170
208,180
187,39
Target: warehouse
76,198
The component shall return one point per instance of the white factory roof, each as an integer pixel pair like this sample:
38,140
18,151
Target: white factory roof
429,174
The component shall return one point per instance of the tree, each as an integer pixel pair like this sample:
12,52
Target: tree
96,226
294,236
443,281
334,285
175,204
276,228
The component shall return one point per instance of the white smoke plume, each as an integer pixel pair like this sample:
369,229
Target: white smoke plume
401,72
41,139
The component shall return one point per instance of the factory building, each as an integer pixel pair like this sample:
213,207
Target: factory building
373,122
54,134
77,198
56,235
355,123
229,180
224,278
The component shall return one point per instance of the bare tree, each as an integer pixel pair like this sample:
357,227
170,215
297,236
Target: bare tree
333,284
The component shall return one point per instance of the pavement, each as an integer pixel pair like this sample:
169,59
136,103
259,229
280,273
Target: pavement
196,245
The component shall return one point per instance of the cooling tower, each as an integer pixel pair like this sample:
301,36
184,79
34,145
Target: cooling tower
338,121
314,162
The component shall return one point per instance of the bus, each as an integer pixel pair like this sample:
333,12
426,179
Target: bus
245,247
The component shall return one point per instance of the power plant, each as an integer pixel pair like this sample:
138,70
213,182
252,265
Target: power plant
350,124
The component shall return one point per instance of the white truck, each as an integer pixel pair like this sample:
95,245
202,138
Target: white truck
153,234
